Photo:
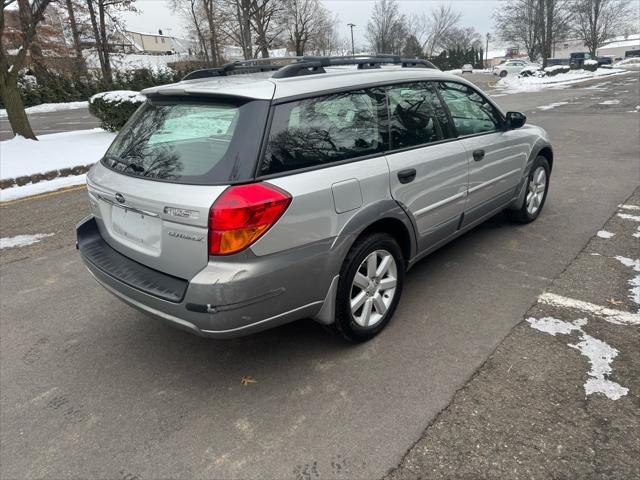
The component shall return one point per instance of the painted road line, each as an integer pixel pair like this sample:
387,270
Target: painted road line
617,317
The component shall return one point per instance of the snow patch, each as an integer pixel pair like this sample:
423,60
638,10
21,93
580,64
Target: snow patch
617,317
551,106
21,156
31,189
22,240
637,233
635,281
605,234
515,84
626,216
610,102
599,354
50,107
629,207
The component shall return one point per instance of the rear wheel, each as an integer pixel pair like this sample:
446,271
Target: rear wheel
537,188
369,288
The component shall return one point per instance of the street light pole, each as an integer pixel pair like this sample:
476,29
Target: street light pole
353,50
486,53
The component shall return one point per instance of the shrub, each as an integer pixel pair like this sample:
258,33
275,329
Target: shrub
532,71
115,108
556,69
590,65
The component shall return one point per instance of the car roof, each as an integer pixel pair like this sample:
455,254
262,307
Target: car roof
263,86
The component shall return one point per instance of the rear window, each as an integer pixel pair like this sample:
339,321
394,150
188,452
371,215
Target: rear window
195,142
326,129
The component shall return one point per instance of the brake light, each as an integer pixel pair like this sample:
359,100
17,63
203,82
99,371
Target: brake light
242,214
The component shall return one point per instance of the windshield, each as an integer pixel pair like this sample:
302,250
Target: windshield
187,141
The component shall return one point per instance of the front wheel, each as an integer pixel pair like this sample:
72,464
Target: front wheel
369,288
503,74
536,195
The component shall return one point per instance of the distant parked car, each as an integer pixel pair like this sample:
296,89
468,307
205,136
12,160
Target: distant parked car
632,63
605,62
577,59
467,68
632,53
510,66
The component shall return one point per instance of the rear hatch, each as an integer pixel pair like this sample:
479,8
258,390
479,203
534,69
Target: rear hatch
152,191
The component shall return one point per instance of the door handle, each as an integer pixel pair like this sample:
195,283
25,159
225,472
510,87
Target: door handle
407,176
478,155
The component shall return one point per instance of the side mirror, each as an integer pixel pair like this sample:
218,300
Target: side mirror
515,120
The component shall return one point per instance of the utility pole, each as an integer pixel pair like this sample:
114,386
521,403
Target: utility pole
353,49
486,53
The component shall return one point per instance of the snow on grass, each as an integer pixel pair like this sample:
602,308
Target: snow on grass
22,240
551,106
599,354
52,152
51,107
629,207
605,234
515,84
635,281
31,189
119,96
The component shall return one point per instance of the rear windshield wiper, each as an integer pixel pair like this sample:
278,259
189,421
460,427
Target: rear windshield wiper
133,166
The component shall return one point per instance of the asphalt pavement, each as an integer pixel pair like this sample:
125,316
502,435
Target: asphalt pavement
529,412
53,122
93,389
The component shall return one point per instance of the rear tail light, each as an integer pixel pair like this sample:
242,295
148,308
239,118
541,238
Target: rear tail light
242,214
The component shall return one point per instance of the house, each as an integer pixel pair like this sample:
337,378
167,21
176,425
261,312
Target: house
615,48
152,43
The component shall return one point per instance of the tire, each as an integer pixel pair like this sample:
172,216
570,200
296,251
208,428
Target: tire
534,197
503,73
354,327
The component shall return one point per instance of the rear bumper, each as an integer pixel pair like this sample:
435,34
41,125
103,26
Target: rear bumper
230,297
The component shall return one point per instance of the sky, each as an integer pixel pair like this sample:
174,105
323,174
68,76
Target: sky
155,14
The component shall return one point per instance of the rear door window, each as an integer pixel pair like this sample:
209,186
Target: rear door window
417,116
472,114
324,130
196,142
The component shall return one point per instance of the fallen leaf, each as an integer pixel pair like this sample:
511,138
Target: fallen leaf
613,301
247,379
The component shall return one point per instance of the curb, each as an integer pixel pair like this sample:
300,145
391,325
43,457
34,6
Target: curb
40,177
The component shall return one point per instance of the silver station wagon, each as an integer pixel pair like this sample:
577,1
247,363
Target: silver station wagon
252,195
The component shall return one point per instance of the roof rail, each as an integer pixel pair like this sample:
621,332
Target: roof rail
311,65
307,65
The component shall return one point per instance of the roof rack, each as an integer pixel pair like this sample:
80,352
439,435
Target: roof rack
307,65
312,65
255,65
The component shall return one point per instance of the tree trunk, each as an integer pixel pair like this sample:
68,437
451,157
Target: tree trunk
108,75
81,67
96,36
12,101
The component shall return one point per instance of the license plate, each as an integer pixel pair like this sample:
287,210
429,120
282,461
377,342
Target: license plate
136,229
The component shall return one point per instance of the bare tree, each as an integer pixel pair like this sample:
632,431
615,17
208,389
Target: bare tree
440,21
598,21
31,14
535,25
104,18
387,29
266,18
463,38
517,24
80,66
553,17
304,18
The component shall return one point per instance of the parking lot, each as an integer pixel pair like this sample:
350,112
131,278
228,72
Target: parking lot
91,388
